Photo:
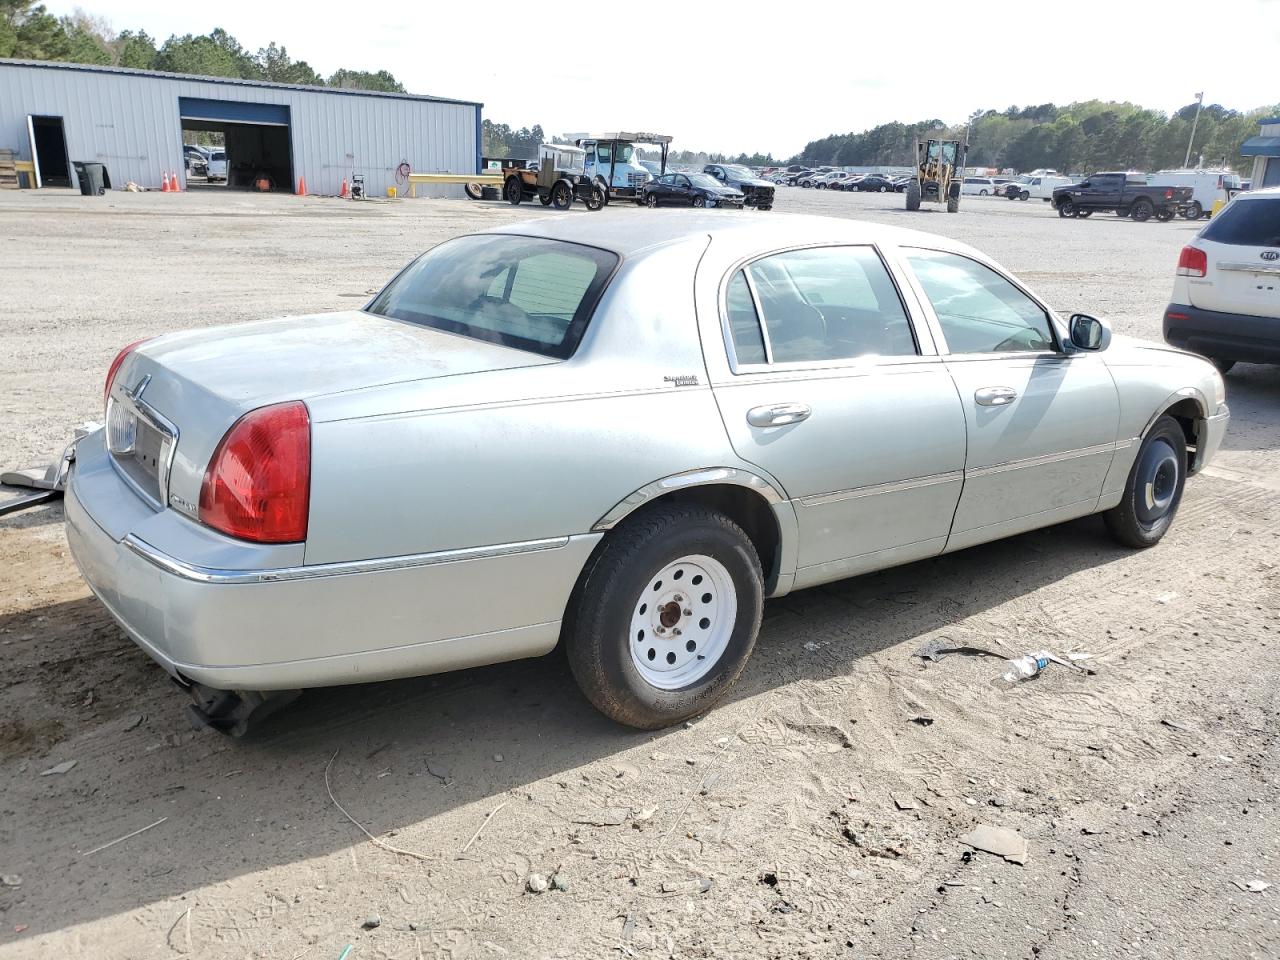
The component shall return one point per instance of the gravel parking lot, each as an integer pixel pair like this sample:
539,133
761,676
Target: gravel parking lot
815,814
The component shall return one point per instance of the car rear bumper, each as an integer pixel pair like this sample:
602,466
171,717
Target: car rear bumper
1224,336
284,628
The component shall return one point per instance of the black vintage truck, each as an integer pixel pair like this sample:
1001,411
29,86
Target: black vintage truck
1127,194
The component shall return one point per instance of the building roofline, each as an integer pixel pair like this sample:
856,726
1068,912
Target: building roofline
1267,120
232,81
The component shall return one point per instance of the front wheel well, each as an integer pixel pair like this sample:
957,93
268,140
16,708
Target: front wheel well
1188,415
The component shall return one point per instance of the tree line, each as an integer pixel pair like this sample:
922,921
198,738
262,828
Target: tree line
1078,138
29,32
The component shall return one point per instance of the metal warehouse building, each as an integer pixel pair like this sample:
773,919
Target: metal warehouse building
133,121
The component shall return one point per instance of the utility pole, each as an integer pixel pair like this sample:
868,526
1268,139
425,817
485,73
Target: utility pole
1199,103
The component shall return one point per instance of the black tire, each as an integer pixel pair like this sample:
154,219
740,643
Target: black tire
1223,365
596,200
597,630
604,185
1024,195
698,201
953,205
1123,212
544,198
767,206
651,200
513,190
1154,488
883,189
1193,210
1067,209
561,195
982,193
474,191
1142,210
1165,214
913,195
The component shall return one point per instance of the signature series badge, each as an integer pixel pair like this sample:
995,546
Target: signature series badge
682,380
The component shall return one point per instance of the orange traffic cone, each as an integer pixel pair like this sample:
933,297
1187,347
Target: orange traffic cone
302,186
174,186
164,181
343,191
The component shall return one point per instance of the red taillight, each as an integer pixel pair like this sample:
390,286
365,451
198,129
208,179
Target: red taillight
258,485
1168,194
1192,262
115,367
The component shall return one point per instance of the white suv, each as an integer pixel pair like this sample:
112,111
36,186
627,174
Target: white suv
1226,295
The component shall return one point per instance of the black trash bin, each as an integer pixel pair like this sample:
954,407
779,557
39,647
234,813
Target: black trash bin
92,177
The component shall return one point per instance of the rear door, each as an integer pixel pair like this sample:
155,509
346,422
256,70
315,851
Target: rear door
826,382
1242,244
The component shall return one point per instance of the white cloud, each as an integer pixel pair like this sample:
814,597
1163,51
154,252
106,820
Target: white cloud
740,76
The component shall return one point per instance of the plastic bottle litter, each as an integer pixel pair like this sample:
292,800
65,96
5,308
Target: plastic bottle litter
1027,666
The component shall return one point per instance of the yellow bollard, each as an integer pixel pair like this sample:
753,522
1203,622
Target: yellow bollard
391,192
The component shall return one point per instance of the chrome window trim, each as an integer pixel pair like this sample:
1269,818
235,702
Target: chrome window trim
722,303
1043,459
199,574
875,490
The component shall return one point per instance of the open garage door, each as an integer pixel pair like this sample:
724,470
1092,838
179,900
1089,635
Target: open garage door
252,138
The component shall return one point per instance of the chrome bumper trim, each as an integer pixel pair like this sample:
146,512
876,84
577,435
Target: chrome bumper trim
199,574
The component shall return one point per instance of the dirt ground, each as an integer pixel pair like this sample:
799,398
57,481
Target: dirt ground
816,813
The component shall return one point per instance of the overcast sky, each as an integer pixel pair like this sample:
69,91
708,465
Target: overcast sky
761,76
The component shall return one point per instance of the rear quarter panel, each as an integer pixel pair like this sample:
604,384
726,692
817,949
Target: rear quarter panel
525,454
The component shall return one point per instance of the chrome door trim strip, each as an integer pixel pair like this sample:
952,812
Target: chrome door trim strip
896,486
1248,267
198,574
1043,460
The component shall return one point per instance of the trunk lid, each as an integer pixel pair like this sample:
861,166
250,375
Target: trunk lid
174,398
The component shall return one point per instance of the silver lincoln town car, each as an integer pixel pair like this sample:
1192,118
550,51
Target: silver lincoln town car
620,433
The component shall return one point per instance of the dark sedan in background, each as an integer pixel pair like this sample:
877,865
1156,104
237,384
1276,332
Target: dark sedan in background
690,190
874,183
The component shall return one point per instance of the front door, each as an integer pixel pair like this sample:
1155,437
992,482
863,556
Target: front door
832,390
1041,423
49,151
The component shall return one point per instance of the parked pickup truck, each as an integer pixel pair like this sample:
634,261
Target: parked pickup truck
1128,194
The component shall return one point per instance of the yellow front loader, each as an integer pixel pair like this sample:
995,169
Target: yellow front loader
939,169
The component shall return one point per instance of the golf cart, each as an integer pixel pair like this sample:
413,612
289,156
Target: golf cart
558,180
612,162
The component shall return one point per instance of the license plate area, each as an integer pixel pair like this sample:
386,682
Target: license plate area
141,444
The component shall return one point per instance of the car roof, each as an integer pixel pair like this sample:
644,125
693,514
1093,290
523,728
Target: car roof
1260,192
634,232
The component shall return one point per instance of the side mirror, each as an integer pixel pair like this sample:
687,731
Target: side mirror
1089,333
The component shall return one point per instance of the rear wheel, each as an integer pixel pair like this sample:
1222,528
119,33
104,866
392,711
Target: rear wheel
664,619
1154,488
1193,210
913,195
513,190
1142,210
1122,212
1164,214
544,197
651,200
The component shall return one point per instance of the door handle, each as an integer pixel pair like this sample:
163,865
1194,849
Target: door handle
995,396
777,414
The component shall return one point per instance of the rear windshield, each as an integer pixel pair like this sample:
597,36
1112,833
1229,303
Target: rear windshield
1249,223
523,292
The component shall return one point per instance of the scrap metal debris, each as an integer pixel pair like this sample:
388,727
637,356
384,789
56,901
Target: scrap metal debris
937,648
59,768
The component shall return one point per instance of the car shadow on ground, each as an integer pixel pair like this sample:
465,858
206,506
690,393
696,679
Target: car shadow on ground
440,734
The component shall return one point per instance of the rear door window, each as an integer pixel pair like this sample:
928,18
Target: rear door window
1247,223
822,304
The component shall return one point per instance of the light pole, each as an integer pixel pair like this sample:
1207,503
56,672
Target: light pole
1199,103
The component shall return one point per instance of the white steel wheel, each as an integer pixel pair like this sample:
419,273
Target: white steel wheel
682,622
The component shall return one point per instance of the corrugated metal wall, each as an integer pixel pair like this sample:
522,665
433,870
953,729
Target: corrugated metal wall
130,122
